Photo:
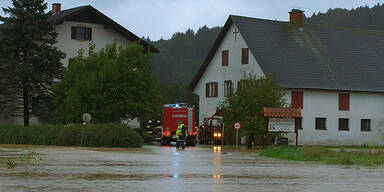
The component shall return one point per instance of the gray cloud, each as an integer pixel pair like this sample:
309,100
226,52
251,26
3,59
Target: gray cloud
161,18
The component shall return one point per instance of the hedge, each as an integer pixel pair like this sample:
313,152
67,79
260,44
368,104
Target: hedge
96,135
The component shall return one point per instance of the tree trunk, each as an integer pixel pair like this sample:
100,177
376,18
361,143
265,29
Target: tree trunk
26,105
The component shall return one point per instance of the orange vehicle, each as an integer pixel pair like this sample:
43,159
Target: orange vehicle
171,114
212,131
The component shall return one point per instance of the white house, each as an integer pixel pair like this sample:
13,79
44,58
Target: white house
77,28
335,74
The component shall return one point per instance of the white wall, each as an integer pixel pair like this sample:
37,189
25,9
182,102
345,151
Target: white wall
100,36
326,104
215,72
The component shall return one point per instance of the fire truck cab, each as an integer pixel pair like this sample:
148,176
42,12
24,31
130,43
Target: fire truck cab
172,113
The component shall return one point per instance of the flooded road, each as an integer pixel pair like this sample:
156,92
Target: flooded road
156,168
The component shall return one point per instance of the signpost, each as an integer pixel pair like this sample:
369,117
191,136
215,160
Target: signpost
281,120
86,119
237,126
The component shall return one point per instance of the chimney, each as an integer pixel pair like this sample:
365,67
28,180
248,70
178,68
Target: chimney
56,8
296,16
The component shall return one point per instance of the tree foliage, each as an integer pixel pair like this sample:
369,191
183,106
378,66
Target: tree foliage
181,56
361,17
112,84
179,60
31,61
247,104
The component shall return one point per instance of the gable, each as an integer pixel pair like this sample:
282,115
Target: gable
210,55
88,14
226,63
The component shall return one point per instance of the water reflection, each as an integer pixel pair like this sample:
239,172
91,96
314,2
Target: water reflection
217,149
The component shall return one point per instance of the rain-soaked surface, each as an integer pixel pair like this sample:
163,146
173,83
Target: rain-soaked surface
156,168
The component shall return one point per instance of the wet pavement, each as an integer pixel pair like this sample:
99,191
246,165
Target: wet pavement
156,168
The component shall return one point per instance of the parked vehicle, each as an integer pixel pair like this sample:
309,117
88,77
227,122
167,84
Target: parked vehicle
157,133
171,114
212,131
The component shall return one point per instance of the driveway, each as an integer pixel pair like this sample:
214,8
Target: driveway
156,168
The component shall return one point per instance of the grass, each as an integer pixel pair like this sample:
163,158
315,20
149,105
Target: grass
325,155
356,147
10,163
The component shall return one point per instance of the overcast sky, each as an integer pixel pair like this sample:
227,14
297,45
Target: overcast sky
161,18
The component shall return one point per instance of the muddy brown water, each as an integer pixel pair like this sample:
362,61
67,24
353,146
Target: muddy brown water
156,168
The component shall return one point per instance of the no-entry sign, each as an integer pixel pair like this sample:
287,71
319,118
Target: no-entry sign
237,125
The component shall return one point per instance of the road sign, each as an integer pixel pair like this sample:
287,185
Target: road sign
237,125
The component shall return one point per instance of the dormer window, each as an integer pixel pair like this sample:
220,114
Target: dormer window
81,33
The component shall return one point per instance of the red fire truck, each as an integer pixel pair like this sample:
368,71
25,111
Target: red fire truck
171,114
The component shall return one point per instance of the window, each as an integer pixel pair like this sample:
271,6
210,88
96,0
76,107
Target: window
321,123
211,89
81,33
299,123
343,102
343,124
227,88
365,125
244,56
225,58
297,99
241,83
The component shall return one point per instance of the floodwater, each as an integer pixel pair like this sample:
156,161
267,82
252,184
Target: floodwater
156,168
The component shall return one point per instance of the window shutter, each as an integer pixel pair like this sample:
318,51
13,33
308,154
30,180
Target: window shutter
224,59
207,90
344,102
73,33
297,99
245,56
216,89
89,34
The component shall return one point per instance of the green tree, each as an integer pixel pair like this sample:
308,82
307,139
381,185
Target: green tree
179,60
362,17
113,84
31,62
246,105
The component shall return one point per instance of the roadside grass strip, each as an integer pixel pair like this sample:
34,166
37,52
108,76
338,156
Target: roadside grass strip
325,155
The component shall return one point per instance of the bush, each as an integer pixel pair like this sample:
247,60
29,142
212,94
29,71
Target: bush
97,135
33,135
148,138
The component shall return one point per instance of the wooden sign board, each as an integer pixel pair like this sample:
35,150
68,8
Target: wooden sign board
285,125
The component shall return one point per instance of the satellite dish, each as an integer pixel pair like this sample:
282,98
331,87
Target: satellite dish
87,117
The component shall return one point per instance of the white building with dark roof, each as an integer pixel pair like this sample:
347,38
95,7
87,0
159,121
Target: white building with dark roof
334,74
77,28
